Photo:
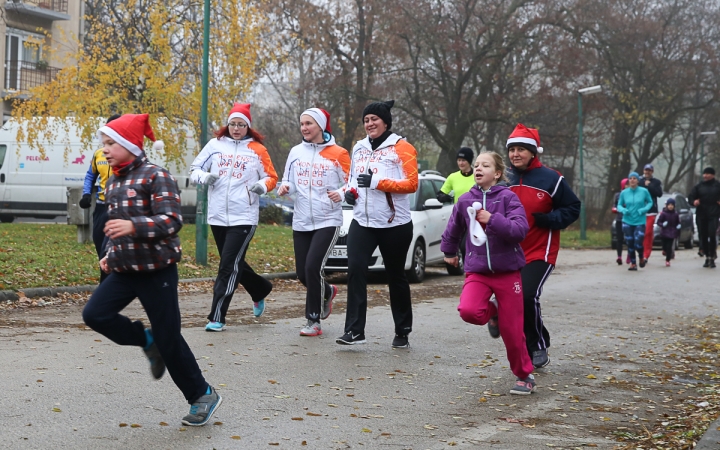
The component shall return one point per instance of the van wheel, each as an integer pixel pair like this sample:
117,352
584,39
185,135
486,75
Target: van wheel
6,218
416,274
459,270
688,244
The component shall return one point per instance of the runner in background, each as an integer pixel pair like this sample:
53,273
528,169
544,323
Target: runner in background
654,188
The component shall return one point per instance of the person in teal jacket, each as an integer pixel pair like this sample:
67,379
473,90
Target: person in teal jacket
633,204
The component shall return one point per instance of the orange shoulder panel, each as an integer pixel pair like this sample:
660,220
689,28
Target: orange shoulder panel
267,164
408,158
339,156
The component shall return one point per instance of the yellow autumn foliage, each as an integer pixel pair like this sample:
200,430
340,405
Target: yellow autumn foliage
154,68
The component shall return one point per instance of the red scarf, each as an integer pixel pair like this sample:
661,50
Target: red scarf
116,170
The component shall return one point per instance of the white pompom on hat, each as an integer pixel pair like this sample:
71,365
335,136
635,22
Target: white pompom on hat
528,138
129,130
242,111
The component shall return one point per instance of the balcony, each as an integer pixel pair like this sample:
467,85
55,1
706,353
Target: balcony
20,76
45,9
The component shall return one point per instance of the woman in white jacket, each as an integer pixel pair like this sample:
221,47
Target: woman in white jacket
315,170
238,170
383,174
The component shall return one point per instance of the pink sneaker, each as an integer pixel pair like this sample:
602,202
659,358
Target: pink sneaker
627,259
667,263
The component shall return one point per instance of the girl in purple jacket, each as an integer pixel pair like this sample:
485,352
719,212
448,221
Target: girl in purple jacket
669,222
495,222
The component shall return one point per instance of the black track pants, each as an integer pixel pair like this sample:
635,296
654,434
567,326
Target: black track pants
232,243
394,244
534,275
157,292
311,252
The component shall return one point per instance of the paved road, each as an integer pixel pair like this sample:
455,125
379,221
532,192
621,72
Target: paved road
67,387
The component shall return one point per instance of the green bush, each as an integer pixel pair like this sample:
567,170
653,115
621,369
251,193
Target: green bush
271,214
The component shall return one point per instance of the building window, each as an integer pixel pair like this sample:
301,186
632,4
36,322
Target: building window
23,51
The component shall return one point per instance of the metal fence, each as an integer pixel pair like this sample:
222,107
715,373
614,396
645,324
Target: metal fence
53,5
23,75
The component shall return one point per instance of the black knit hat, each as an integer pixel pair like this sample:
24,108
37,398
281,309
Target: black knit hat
466,153
709,170
382,110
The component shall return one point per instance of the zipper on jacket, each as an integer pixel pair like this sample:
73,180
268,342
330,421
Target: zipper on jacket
227,191
310,188
487,243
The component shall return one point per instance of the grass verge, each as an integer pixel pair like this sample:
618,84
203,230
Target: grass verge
570,238
48,255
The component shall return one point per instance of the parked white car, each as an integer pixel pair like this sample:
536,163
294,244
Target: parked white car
429,218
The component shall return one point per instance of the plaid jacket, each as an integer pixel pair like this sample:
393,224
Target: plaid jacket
148,195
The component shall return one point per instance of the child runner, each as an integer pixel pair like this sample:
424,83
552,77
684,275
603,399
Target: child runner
633,204
493,267
142,254
669,222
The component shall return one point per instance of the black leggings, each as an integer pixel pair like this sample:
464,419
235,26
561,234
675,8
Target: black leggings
619,236
311,252
394,243
707,233
534,275
668,245
232,244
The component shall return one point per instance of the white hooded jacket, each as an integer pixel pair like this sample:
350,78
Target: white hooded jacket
238,165
311,171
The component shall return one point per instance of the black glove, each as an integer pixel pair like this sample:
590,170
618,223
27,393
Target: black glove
364,180
542,220
349,198
85,201
444,198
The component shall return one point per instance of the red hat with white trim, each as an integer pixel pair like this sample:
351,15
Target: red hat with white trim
320,116
129,131
242,111
528,138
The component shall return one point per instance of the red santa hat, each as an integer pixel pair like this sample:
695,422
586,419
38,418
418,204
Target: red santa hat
129,131
241,110
528,138
320,116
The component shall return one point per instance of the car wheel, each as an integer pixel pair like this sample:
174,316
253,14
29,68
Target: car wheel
6,218
688,244
416,274
459,270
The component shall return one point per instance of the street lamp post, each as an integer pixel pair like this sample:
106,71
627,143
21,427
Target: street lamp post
201,207
702,145
584,91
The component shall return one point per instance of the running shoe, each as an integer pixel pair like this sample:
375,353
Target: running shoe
667,263
311,329
540,358
493,327
202,410
524,387
707,262
157,364
259,308
643,262
400,341
327,303
712,263
632,267
350,338
619,261
627,259
215,326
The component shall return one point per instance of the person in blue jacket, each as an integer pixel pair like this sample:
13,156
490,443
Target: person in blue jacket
95,180
634,204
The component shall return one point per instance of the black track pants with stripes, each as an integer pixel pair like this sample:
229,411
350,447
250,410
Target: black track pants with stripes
232,243
534,275
311,252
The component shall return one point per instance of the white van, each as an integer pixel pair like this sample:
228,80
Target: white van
32,185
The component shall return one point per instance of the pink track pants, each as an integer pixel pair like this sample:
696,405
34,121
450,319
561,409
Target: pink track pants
475,308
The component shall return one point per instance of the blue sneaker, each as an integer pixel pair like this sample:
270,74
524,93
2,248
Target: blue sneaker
214,326
259,308
202,410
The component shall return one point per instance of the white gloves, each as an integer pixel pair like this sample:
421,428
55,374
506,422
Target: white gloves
664,224
678,226
475,230
258,188
210,179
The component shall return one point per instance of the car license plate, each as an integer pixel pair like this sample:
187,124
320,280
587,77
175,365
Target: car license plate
339,253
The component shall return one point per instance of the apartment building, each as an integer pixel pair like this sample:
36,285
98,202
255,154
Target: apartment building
39,37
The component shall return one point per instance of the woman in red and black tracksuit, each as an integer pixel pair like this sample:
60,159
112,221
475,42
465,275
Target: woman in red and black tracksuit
383,174
551,206
143,249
